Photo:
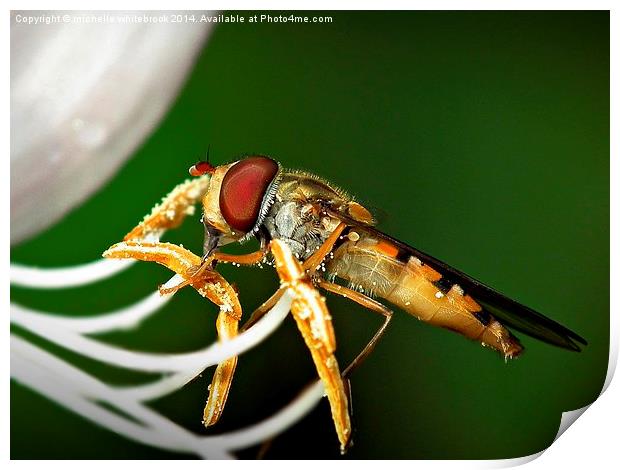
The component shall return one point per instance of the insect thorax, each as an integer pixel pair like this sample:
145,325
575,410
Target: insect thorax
295,224
295,220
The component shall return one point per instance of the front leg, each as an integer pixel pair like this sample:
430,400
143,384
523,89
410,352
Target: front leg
217,256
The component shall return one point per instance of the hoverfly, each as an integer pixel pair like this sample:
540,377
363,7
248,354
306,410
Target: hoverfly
316,234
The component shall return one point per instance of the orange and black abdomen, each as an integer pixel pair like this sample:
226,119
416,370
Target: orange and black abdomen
378,267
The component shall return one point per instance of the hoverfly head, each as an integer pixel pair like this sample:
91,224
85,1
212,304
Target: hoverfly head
239,196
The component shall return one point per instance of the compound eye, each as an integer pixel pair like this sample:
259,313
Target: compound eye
243,188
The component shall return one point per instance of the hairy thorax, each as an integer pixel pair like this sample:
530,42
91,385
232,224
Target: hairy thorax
299,225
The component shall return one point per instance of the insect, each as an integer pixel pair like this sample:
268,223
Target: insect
319,238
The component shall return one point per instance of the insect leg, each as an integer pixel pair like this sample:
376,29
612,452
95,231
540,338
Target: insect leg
370,304
314,323
227,328
263,309
246,259
319,255
207,263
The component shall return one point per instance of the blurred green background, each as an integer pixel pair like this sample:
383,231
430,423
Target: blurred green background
483,137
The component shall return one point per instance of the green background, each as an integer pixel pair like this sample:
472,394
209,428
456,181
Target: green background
482,137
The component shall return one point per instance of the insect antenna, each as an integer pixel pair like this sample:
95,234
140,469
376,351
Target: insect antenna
203,166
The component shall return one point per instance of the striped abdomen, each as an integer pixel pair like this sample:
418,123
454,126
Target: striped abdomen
377,267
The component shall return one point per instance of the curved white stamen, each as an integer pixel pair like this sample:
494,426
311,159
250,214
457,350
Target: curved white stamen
42,371
86,395
124,318
161,387
274,425
61,278
152,362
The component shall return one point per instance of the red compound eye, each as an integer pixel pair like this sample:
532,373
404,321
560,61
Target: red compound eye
243,189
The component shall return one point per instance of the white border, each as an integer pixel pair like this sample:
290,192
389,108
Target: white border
314,5
594,438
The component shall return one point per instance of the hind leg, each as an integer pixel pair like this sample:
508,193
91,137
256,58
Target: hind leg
370,304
